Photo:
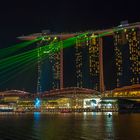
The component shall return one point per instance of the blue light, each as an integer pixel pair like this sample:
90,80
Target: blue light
37,103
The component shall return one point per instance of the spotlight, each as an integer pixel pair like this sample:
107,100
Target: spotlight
93,36
49,38
46,38
55,38
125,30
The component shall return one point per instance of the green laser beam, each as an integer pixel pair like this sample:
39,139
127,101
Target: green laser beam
51,48
8,51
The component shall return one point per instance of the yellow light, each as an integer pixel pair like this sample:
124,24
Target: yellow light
49,38
55,38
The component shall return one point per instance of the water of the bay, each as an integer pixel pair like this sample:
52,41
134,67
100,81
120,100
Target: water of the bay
70,126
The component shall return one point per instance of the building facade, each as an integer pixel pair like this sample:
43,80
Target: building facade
127,56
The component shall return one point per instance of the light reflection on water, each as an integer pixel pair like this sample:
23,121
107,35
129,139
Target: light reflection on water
67,126
37,115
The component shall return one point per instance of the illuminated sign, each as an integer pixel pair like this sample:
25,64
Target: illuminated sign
37,103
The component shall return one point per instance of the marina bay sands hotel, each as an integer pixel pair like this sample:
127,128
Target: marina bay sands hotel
85,63
91,71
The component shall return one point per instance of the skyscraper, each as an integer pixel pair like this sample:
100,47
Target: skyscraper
87,61
81,64
94,63
50,64
86,64
127,56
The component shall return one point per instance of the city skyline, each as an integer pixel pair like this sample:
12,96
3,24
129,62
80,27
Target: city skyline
80,66
69,69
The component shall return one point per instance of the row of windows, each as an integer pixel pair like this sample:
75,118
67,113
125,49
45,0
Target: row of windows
79,59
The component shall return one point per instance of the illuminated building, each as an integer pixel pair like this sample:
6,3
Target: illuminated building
127,56
80,59
50,69
55,64
39,69
133,38
88,59
56,60
94,63
88,67
88,52
118,57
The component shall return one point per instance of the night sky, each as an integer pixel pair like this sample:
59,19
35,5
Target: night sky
19,17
